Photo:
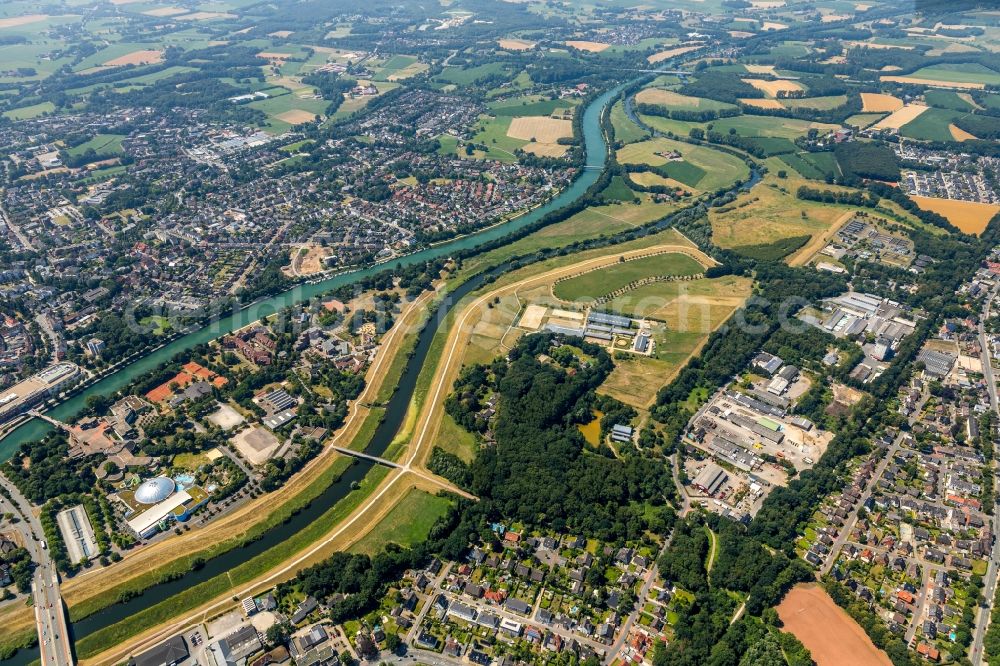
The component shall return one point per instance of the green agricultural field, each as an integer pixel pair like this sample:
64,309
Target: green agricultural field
863,120
676,102
931,125
492,133
946,99
530,105
718,169
467,77
394,65
626,131
606,280
408,523
769,126
618,190
102,144
963,72
812,165
821,103
33,111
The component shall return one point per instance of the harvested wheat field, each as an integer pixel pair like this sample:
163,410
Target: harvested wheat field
516,44
670,53
206,16
593,47
666,98
281,34
760,69
862,7
830,18
22,20
772,88
767,4
162,12
831,635
740,34
761,103
935,83
899,118
296,116
539,128
772,25
969,216
879,103
959,134
136,58
545,149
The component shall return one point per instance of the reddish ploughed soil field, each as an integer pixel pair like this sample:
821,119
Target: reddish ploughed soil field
830,634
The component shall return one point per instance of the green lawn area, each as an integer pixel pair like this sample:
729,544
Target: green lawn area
946,99
407,523
466,77
963,72
626,131
618,190
707,169
492,133
812,165
159,324
102,144
822,103
33,111
530,105
606,280
931,125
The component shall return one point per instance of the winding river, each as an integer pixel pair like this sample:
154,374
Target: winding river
596,152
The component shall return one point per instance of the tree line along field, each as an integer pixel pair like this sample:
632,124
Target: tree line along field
604,281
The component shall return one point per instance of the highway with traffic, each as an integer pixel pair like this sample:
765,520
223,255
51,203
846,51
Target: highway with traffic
50,614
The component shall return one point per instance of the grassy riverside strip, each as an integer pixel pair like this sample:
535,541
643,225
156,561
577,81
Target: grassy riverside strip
24,635
113,635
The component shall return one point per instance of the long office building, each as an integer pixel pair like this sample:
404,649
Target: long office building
21,397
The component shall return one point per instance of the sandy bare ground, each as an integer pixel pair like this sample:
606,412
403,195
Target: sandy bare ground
818,242
772,88
959,134
967,98
935,83
762,103
542,129
593,47
27,19
901,117
969,216
237,523
516,44
146,57
879,103
672,53
831,635
296,116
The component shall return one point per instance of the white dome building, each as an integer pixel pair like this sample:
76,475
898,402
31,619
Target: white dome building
154,491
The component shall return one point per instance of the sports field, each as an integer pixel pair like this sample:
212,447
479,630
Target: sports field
831,635
604,281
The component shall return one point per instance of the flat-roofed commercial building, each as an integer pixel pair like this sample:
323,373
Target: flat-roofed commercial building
21,397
